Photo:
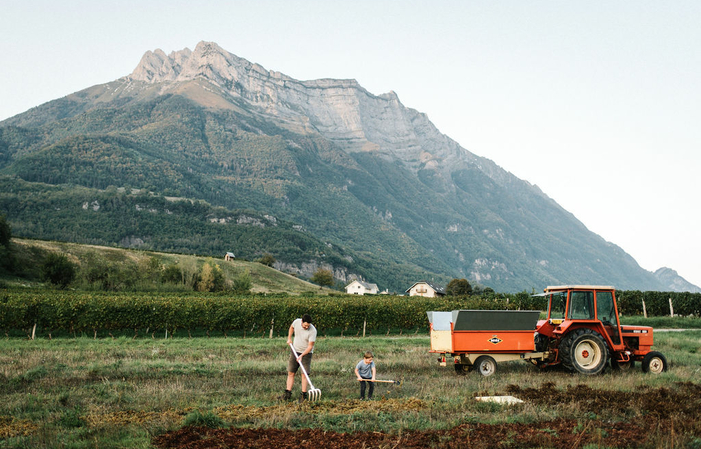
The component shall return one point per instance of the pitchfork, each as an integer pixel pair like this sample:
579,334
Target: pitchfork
313,393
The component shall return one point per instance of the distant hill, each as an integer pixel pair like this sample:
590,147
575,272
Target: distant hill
263,278
202,151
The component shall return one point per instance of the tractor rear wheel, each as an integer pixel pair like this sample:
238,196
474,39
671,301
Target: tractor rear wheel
654,362
584,351
485,365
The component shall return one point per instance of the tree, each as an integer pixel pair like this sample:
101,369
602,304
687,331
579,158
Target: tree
211,279
58,270
7,259
5,232
458,287
267,260
322,277
172,274
242,284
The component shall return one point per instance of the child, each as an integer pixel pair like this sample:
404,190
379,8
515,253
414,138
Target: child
365,370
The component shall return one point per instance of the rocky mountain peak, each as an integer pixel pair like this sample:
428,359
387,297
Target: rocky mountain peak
208,60
339,109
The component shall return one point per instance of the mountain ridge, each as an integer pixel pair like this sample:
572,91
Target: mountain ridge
359,170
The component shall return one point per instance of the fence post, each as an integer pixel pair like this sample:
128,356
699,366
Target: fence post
644,309
671,309
272,324
365,323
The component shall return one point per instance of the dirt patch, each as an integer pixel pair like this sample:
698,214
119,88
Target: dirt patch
566,434
683,401
648,417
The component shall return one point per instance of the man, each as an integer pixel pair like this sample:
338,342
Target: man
304,339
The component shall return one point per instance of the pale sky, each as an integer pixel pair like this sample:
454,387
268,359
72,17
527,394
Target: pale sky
598,102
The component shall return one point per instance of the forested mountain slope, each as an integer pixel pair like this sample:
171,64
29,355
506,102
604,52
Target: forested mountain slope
362,183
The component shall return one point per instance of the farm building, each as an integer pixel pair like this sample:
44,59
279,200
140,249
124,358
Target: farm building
360,288
229,256
427,289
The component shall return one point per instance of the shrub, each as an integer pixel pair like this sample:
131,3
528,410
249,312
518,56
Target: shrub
243,283
58,270
267,260
172,274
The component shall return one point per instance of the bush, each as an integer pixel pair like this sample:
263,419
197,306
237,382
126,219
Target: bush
267,260
58,270
172,274
243,284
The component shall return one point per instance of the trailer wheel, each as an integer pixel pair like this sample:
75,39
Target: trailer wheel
461,369
485,365
584,351
655,363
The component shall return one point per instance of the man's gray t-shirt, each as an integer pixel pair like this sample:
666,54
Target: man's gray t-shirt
303,336
365,369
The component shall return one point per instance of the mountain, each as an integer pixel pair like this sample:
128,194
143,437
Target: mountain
374,189
673,282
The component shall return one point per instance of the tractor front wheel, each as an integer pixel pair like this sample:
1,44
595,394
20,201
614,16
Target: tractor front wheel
485,365
584,351
654,362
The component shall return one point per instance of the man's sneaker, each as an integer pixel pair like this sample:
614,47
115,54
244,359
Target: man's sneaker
286,396
304,396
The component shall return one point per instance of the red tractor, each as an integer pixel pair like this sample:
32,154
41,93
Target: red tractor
582,333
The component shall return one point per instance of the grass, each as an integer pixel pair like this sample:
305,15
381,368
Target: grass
116,393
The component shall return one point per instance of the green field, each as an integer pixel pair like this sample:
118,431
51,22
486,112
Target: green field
122,392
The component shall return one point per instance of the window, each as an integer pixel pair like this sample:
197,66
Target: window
581,306
557,305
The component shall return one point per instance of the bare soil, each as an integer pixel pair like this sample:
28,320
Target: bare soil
648,417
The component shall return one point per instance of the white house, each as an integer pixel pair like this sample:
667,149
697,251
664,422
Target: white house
360,288
427,289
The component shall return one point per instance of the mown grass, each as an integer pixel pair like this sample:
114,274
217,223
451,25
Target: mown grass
116,393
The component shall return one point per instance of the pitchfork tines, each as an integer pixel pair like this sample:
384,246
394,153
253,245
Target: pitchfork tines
314,394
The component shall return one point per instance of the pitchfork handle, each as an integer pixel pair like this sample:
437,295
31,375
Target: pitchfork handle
302,366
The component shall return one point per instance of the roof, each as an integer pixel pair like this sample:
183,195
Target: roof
579,287
230,254
366,285
437,288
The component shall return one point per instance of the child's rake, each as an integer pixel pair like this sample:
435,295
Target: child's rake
395,382
313,394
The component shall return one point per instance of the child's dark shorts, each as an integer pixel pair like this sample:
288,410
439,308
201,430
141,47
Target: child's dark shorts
293,366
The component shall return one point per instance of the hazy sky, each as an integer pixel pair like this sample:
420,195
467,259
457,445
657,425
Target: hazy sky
598,102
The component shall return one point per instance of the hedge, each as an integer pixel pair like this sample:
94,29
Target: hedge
91,312
96,311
